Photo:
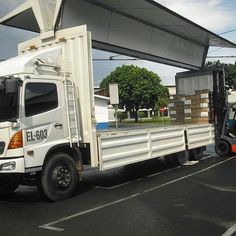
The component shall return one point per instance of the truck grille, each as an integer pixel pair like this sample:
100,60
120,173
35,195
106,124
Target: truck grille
2,146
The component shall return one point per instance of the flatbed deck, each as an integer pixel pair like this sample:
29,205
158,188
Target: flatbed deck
134,143
139,126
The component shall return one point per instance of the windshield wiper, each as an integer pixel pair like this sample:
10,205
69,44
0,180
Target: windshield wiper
9,120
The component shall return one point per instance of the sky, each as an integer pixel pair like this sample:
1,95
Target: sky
217,16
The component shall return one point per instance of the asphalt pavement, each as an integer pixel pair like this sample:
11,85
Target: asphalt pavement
148,198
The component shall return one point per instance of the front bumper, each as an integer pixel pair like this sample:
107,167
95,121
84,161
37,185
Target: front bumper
12,165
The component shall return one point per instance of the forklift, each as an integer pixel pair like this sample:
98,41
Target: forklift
224,116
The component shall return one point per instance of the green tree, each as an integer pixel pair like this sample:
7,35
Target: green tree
141,115
162,102
121,115
138,87
230,71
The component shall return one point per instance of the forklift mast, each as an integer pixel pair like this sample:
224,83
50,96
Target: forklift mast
220,102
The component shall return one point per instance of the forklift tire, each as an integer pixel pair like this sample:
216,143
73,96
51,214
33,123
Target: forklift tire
59,177
222,148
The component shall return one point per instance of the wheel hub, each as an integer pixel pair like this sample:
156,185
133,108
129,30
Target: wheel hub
61,177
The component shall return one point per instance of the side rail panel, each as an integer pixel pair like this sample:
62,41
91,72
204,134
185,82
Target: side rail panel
201,135
123,148
167,141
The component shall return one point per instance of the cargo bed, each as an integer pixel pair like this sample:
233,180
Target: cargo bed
122,147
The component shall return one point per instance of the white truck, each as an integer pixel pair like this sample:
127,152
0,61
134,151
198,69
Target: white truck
47,122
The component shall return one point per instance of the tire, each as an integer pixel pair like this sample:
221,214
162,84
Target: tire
7,186
39,185
171,160
177,158
182,157
222,148
196,154
59,177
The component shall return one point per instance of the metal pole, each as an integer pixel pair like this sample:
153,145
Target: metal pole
116,110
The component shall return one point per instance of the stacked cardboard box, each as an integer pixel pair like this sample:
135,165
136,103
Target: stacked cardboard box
176,108
194,109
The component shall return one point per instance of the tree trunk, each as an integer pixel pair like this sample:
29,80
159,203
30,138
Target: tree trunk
136,116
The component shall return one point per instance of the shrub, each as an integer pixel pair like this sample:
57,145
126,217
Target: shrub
141,115
121,115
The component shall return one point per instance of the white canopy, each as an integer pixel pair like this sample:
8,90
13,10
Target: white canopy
139,28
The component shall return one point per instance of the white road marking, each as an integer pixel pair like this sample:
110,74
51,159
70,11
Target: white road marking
148,176
230,189
115,186
230,231
207,157
163,172
187,176
50,225
137,180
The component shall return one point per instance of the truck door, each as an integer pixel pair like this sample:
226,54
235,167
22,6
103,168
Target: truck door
43,119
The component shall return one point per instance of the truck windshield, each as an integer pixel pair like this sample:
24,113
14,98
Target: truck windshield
8,104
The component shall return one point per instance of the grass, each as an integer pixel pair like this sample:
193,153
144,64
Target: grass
156,120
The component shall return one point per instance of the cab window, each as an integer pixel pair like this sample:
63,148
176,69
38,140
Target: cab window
40,97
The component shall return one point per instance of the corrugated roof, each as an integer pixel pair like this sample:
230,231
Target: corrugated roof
138,28
156,15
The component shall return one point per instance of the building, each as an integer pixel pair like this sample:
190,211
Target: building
101,111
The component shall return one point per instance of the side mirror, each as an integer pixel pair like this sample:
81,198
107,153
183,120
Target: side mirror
12,85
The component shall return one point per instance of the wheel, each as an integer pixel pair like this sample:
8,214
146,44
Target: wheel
171,160
196,154
59,177
222,148
7,186
182,157
177,158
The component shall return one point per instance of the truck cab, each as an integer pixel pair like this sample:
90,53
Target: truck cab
36,125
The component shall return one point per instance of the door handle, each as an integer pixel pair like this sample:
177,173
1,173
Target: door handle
58,125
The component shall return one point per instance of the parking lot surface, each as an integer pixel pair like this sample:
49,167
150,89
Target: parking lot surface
149,198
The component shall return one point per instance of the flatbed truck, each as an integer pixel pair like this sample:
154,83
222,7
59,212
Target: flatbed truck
48,126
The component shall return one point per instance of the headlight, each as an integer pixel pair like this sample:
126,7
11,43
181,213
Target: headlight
8,166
